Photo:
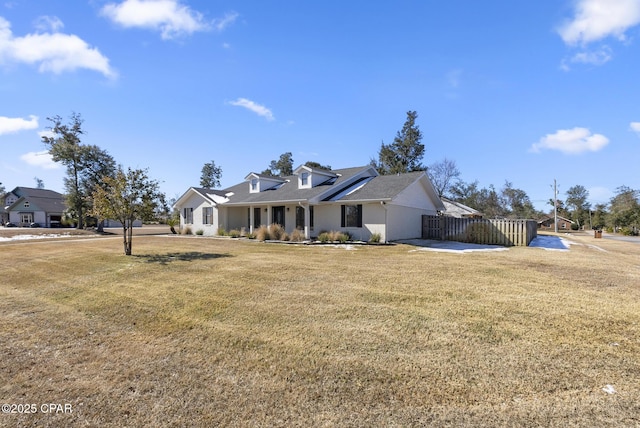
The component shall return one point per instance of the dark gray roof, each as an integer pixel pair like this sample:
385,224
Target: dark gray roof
36,193
46,200
383,187
289,191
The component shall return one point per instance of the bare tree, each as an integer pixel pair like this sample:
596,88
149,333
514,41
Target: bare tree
443,175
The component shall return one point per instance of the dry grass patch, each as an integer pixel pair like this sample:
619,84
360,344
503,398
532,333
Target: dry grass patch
205,332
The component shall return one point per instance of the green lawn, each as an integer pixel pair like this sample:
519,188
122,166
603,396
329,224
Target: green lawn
192,331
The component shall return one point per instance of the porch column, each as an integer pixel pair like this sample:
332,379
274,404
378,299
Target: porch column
307,221
269,215
251,219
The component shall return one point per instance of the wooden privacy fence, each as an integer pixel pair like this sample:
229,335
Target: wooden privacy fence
479,230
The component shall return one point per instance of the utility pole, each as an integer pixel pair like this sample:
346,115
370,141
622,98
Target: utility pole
555,205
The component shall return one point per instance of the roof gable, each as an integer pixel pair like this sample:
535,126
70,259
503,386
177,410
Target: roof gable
394,188
210,195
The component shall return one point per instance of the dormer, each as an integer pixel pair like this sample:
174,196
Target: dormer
311,177
259,183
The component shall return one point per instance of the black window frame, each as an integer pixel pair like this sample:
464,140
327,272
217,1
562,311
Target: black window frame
351,215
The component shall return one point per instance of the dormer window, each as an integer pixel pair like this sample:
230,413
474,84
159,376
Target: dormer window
311,177
259,183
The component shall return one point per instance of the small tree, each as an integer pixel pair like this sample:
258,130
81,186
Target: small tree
127,196
211,175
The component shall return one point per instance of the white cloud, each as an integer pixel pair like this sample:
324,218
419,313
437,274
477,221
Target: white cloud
635,127
170,17
53,52
258,109
40,159
598,19
49,23
9,125
221,24
571,141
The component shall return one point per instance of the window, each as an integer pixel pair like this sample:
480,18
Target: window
351,216
26,204
207,215
304,179
278,215
300,217
311,217
256,218
188,215
26,218
254,184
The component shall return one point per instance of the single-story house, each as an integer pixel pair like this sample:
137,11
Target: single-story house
547,223
459,210
25,205
355,200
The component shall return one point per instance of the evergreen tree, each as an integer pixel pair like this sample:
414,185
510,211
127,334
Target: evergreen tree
86,164
282,167
211,175
405,153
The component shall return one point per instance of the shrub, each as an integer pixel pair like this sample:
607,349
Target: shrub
324,237
277,232
187,230
234,233
297,235
375,238
262,234
172,222
199,232
343,237
221,231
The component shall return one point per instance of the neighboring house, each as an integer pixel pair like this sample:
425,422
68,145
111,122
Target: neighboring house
25,205
116,223
547,223
355,200
458,210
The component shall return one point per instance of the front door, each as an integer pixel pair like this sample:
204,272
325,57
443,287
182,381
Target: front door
278,215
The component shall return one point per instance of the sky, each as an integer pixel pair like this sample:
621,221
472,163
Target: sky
519,91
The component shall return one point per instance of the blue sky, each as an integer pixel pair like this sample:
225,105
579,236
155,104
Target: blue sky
518,91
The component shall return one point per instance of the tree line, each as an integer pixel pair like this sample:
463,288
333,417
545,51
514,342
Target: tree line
406,152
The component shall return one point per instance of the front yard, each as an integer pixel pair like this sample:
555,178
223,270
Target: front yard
213,332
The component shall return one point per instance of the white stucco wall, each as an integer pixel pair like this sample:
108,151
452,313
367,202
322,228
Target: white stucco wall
328,218
197,203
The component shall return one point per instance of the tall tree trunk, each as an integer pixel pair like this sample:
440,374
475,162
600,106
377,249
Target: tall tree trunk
130,232
127,250
78,198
